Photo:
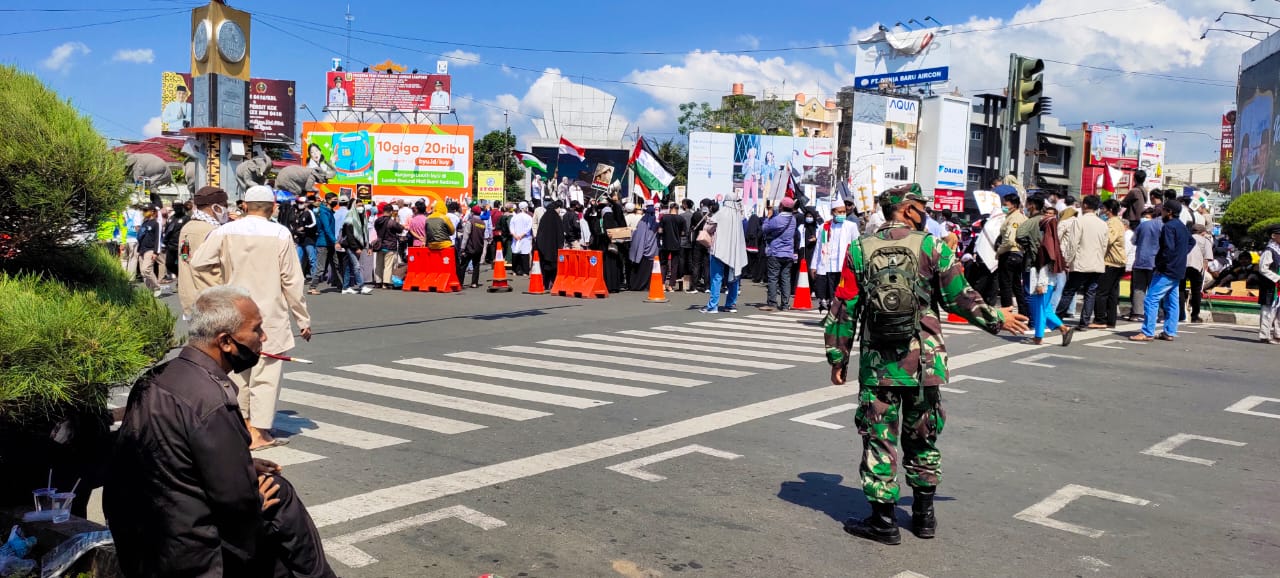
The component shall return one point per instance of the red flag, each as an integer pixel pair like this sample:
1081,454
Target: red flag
568,148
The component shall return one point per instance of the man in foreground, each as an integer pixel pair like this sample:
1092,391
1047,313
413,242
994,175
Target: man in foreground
885,284
184,498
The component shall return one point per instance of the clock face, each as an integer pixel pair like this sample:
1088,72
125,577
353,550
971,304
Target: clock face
200,42
231,41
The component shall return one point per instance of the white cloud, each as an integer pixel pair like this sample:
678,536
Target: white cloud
654,120
60,58
136,55
152,128
705,76
749,41
461,58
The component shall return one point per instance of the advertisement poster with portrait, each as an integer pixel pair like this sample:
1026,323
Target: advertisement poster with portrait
1114,146
1254,167
393,160
755,165
1151,161
378,91
1226,148
272,107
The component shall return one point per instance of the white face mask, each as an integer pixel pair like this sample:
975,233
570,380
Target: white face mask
220,213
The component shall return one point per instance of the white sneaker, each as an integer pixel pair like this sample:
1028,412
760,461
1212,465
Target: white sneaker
157,293
366,290
349,291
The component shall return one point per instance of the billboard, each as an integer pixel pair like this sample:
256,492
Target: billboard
393,160
1254,165
272,107
753,165
1151,161
882,151
1115,146
379,91
943,148
1226,149
568,172
903,58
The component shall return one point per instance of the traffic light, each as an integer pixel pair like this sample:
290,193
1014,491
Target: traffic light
1027,89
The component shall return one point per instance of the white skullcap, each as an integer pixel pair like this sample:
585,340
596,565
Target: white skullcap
259,194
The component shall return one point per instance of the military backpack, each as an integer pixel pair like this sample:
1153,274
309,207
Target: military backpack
894,296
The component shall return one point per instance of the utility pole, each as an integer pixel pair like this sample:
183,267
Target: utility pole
349,18
1006,131
506,153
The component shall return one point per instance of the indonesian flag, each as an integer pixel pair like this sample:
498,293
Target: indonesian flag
568,148
528,160
650,171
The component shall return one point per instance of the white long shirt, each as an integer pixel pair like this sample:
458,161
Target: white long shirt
832,246
521,225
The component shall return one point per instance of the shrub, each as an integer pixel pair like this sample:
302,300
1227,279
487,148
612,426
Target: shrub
71,331
1246,211
1258,231
58,178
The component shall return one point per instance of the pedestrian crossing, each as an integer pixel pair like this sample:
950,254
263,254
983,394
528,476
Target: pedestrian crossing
419,398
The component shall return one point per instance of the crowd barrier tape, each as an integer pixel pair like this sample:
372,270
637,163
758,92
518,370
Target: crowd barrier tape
580,273
434,270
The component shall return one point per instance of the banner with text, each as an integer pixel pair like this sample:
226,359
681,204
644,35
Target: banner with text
903,58
1151,161
396,160
1226,149
402,92
272,107
489,185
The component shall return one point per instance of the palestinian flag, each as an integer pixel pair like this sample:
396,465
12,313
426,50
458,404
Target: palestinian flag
528,160
1109,178
650,171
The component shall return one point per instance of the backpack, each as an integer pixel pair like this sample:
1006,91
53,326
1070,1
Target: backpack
895,296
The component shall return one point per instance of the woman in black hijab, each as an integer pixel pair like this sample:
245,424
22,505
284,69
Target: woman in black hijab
549,241
603,215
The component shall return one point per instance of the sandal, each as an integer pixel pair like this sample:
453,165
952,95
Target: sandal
1165,337
1141,338
275,442
313,292
1066,337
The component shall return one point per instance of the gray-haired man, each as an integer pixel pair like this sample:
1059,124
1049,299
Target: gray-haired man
184,498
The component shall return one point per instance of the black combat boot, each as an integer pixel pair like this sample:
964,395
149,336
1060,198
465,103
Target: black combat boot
923,522
880,526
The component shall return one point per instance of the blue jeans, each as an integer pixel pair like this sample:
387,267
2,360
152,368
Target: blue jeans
1163,292
1057,282
307,256
719,271
1042,311
351,277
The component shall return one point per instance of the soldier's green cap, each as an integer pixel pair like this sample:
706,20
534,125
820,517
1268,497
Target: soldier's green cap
902,193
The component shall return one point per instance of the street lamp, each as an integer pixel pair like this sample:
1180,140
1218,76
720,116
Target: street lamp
1192,132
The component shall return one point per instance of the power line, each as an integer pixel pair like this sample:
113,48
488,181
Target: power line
93,24
1172,77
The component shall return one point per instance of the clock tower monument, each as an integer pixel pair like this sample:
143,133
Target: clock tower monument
220,88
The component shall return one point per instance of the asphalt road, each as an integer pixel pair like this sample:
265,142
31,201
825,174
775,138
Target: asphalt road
437,436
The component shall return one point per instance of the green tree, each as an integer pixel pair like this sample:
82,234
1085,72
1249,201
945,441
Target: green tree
676,155
741,113
491,151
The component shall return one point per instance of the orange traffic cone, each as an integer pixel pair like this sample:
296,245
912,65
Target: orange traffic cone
499,284
953,318
535,277
657,293
803,301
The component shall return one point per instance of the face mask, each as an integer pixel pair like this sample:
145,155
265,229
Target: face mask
560,212
220,213
1104,218
1004,209
1145,219
808,220
839,219
244,358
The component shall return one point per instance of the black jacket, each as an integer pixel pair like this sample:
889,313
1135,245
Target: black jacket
182,497
149,236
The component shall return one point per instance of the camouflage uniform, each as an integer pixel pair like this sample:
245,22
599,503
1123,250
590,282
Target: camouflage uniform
899,384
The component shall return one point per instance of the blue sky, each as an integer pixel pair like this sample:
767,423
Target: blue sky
1151,67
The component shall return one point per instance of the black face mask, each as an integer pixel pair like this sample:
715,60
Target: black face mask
919,226
243,359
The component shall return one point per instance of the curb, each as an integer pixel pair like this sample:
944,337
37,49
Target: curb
1229,318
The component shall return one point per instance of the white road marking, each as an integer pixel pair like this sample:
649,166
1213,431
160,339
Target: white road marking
651,378
780,325
343,548
1040,512
416,396
334,434
634,467
815,418
735,333
956,378
909,574
286,456
1165,448
1034,360
1009,349
697,347
524,376
1104,344
667,355
806,315
749,330
1246,405
442,425
739,342
952,390
476,387
619,360
812,322
403,495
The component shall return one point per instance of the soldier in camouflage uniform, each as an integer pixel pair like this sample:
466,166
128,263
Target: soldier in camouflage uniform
898,382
